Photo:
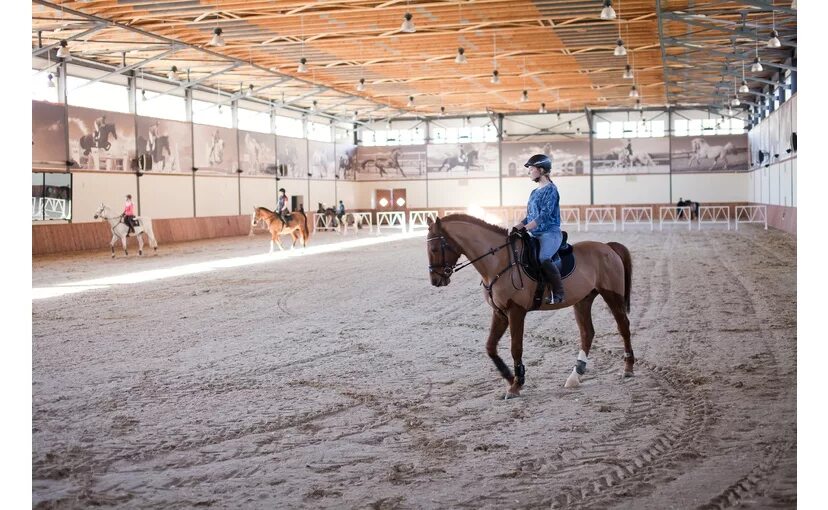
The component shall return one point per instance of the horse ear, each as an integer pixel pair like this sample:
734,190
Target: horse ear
429,221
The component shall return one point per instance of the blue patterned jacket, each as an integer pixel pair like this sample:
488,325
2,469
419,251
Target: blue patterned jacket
544,208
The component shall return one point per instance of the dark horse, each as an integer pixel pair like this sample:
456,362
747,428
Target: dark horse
297,220
453,161
159,154
329,212
87,142
603,269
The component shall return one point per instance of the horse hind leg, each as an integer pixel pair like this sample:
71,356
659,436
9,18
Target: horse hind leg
140,238
619,312
583,316
112,245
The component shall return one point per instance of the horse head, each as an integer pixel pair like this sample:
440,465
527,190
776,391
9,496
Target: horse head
696,144
257,216
442,255
100,212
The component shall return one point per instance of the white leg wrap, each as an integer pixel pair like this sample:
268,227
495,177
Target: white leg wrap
582,356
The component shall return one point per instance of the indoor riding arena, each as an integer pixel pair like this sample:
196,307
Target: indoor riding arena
278,260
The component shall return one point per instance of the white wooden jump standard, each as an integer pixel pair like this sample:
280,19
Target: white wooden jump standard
420,219
391,219
600,216
636,216
752,213
360,218
714,214
670,215
322,222
570,216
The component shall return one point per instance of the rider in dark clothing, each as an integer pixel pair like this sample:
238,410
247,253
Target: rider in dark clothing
281,207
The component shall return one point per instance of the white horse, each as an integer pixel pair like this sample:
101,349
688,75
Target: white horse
120,230
702,150
625,159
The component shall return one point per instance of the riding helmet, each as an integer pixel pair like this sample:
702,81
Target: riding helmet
541,161
282,190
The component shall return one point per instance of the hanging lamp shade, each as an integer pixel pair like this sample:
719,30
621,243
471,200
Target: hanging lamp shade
633,91
743,89
757,65
361,85
460,58
303,67
495,77
51,81
628,74
542,108
773,42
620,50
63,52
217,39
607,12
524,96
407,24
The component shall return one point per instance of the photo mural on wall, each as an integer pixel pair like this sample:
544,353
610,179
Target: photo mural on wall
714,153
164,146
569,157
291,157
322,160
454,160
48,133
100,140
400,162
257,152
216,150
631,156
346,161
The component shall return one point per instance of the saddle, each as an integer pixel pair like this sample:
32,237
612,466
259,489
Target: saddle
529,258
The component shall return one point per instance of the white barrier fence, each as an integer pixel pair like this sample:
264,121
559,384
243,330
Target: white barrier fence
49,208
674,216
322,222
600,216
391,219
355,220
751,214
420,219
571,216
636,216
713,215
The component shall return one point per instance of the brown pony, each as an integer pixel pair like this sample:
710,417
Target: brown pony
277,227
603,269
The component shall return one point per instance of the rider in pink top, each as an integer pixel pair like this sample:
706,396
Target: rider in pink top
129,214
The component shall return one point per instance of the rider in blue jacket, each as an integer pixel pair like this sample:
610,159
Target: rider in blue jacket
543,221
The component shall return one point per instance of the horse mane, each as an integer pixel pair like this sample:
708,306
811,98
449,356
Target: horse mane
475,221
266,210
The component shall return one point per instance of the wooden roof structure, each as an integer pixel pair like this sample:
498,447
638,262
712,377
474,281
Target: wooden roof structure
559,51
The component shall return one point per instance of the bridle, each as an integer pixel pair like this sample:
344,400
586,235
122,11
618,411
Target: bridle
448,270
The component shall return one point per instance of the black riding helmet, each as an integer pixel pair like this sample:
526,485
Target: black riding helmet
282,190
541,161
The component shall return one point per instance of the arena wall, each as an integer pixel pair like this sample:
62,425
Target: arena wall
162,196
217,195
90,189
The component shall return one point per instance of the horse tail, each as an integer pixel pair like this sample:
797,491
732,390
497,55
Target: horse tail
306,230
624,253
147,224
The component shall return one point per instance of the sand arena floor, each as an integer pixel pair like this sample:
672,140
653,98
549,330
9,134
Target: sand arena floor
345,380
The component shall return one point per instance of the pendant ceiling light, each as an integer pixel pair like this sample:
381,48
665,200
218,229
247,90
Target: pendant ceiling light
628,74
607,12
63,52
407,24
361,85
460,58
542,108
217,39
495,77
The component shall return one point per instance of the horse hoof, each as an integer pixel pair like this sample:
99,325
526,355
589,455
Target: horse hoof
510,396
573,381
628,375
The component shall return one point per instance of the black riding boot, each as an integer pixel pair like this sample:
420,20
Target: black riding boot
553,277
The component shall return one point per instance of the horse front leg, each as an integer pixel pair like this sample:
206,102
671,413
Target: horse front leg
499,324
140,238
517,316
112,244
124,243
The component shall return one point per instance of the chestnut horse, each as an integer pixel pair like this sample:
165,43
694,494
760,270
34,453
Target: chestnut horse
277,227
603,269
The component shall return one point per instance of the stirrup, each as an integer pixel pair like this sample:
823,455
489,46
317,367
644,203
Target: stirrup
554,300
